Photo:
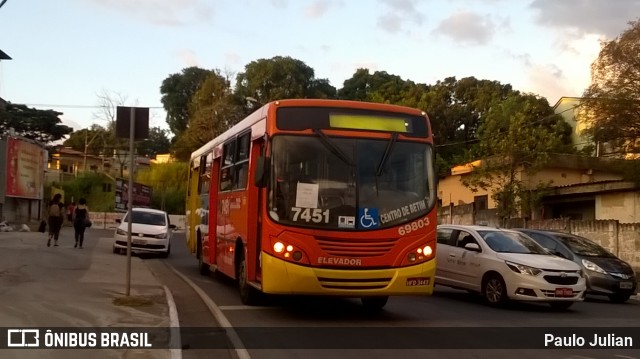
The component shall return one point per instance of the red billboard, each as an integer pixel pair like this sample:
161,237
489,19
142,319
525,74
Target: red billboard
25,169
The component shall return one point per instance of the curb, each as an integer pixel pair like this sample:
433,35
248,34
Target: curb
175,344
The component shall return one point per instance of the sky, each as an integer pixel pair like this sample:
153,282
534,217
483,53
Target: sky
65,53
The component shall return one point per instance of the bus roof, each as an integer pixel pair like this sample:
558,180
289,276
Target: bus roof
261,113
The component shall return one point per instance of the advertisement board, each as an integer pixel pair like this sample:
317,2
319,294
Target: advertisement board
25,169
141,195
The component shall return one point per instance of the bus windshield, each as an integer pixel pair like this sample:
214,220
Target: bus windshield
349,183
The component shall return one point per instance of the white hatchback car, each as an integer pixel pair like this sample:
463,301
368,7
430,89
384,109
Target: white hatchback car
502,264
150,232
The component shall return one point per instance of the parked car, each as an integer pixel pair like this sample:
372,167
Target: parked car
605,273
505,265
151,232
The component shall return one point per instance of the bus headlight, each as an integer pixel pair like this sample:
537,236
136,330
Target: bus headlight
288,251
420,254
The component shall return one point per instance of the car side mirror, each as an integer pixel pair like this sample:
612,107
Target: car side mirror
474,247
261,176
172,226
118,221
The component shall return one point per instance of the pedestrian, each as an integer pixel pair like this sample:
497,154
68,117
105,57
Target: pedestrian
80,221
55,220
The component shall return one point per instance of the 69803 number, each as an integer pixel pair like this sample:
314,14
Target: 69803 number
413,226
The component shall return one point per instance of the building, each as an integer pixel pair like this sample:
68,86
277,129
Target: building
578,187
66,163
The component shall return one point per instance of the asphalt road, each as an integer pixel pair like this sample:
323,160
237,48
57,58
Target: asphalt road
284,322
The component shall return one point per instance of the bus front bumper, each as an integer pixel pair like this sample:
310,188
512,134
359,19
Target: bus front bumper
282,277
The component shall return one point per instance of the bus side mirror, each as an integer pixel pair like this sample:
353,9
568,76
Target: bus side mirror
261,177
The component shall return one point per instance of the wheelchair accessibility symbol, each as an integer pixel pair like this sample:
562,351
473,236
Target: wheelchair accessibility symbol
368,218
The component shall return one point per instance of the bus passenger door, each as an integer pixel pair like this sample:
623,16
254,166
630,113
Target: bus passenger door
213,213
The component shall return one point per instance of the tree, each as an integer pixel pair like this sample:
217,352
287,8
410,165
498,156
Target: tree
177,91
169,184
612,101
213,109
516,138
92,139
158,142
279,78
44,126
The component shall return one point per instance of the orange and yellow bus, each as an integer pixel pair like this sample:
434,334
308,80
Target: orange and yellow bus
318,197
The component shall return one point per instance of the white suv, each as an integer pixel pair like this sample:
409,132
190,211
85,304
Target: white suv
502,264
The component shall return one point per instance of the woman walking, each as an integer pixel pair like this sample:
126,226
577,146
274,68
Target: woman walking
55,220
80,220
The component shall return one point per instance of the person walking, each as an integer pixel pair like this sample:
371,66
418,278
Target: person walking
55,220
80,220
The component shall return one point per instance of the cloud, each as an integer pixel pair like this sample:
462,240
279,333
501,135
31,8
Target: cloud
188,58
317,9
162,12
400,12
232,57
607,18
468,27
281,4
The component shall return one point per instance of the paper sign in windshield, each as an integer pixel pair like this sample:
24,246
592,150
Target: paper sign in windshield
307,195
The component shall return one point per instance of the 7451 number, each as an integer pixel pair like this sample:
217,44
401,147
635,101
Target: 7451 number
315,215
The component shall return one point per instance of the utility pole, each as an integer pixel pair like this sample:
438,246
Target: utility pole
86,146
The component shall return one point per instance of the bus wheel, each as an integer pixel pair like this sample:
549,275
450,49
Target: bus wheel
248,294
374,303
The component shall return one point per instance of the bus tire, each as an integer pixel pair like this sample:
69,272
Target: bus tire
203,267
374,304
248,294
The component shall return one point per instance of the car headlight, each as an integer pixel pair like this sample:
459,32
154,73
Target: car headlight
592,266
162,235
523,269
121,232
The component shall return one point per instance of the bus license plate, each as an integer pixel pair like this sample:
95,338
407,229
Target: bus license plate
564,292
626,285
415,282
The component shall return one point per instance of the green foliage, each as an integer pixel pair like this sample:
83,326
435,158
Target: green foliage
177,91
169,183
89,185
611,101
213,110
43,126
157,142
281,78
516,139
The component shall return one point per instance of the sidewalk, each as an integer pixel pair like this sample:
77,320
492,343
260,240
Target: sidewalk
64,286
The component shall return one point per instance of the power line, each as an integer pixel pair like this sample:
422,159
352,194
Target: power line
76,106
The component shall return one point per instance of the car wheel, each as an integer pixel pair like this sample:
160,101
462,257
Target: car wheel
494,291
248,294
374,304
560,305
619,298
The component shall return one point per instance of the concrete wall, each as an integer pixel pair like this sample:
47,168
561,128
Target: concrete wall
107,220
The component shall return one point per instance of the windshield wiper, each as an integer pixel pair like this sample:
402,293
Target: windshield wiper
385,155
333,148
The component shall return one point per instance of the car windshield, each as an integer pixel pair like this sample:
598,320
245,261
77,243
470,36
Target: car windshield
348,183
153,219
511,242
584,247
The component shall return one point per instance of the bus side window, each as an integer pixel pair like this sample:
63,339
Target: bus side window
226,172
241,170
